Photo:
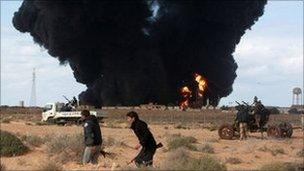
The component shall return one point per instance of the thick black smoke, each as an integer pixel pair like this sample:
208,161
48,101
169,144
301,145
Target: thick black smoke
128,56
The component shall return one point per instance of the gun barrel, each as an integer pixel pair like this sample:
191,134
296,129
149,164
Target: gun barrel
237,102
246,103
66,98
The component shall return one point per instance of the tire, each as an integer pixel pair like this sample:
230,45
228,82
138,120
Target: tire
274,131
226,132
286,129
61,122
51,120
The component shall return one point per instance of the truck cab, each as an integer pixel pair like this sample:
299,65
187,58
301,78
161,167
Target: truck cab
49,111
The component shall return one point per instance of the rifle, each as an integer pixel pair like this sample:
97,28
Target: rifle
131,161
104,154
159,145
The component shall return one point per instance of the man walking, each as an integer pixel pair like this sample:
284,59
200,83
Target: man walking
145,138
242,118
92,137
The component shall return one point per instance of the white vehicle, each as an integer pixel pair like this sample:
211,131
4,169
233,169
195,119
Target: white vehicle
60,113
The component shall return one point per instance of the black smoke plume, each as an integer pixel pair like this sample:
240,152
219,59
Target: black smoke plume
130,52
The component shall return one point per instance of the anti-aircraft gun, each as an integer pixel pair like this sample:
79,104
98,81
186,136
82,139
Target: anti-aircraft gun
70,105
258,118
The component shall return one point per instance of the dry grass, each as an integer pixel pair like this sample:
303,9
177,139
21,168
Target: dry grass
11,145
211,127
180,159
213,140
206,148
21,162
21,113
176,159
50,166
32,140
171,116
283,166
180,126
110,141
6,119
277,151
300,153
233,160
114,124
2,167
66,147
40,123
141,168
274,152
176,141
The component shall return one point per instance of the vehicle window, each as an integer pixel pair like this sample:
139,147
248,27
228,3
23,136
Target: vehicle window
59,106
47,107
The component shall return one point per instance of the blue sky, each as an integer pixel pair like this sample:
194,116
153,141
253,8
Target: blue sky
269,56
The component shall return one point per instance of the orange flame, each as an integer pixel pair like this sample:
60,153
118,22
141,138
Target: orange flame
186,94
202,84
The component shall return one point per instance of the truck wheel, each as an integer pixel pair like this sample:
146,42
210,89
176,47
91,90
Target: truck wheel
286,129
61,122
274,131
51,121
226,132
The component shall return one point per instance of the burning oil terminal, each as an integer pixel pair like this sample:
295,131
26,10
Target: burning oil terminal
141,51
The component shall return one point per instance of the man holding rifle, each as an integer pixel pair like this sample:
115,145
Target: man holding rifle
146,140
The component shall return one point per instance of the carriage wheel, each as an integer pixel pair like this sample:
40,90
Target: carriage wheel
274,132
286,129
226,132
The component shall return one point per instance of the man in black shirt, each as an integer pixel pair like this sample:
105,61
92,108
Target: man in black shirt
145,138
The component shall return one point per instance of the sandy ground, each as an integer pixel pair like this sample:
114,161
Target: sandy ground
247,151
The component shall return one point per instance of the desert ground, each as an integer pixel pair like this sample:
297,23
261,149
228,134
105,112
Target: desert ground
118,139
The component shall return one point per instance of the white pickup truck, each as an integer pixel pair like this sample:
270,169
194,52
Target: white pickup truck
58,113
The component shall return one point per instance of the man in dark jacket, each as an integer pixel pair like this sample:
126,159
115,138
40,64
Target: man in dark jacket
262,113
145,138
92,137
242,118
